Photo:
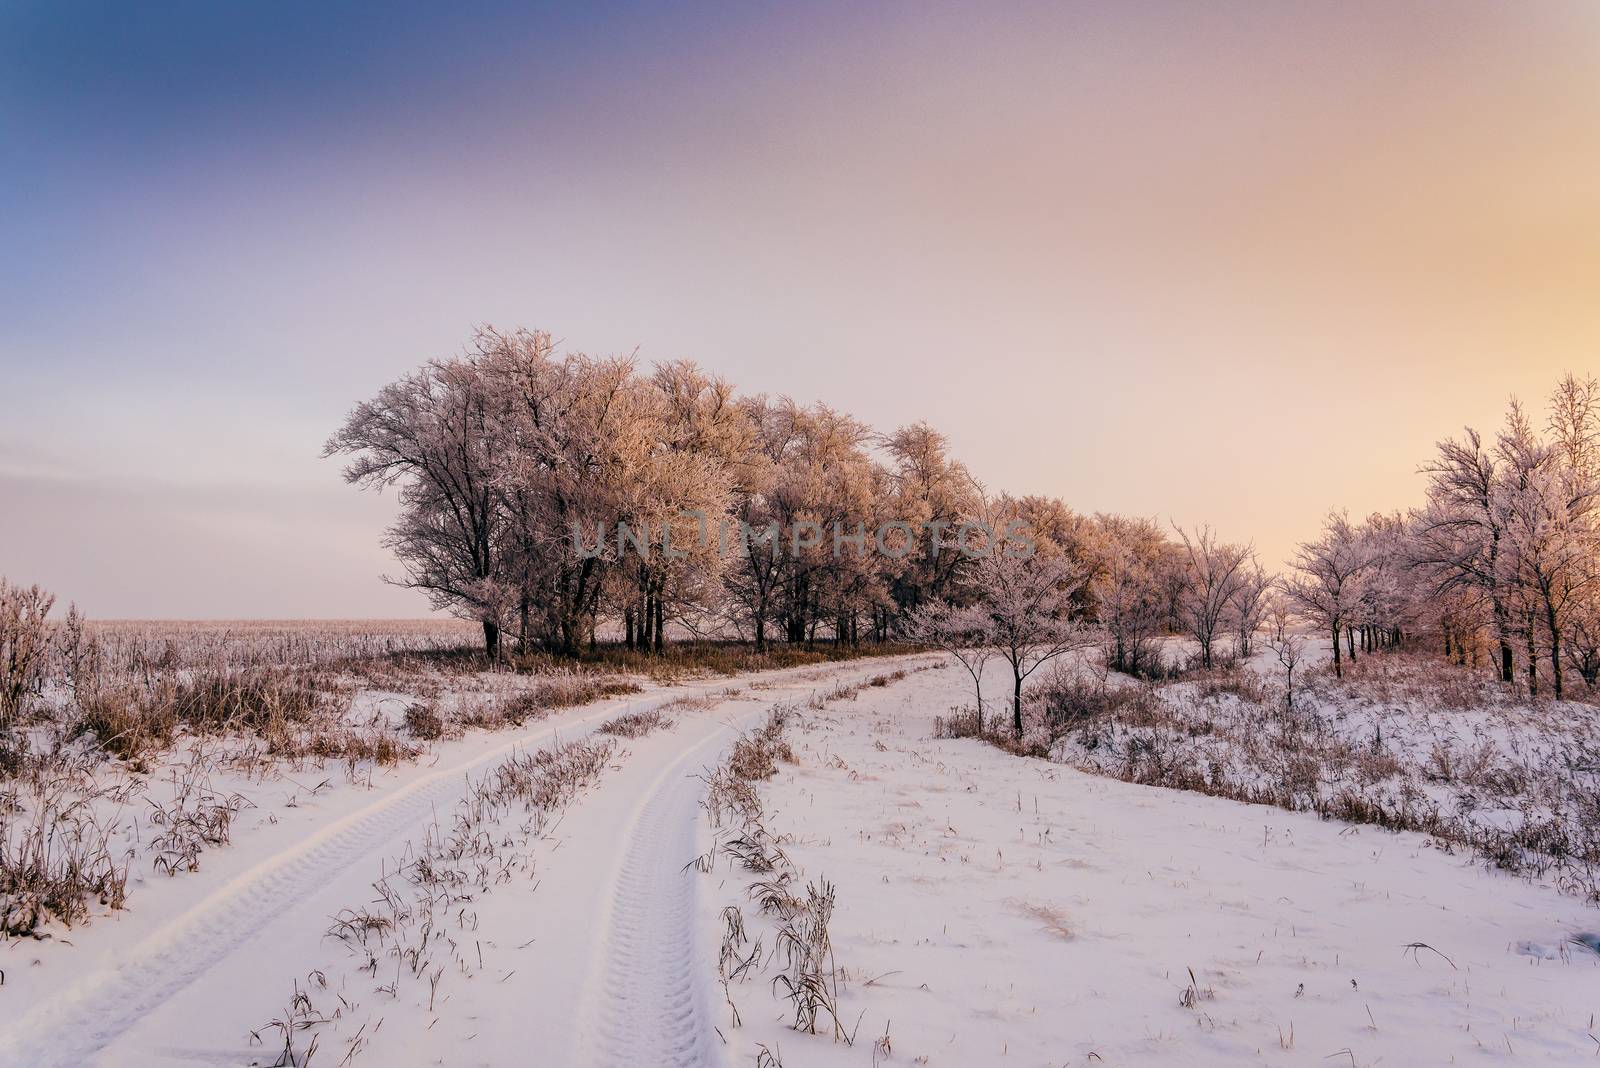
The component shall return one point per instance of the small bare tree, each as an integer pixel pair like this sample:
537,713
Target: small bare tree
1290,649
1250,606
963,632
1279,613
1027,597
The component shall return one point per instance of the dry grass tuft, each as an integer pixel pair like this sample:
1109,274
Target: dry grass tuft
1051,918
809,977
636,724
755,756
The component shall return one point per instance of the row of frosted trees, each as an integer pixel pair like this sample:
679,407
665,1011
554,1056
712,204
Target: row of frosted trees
515,464
1501,563
504,454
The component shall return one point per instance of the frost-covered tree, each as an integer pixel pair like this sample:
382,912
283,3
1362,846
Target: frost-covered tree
1574,427
1459,534
934,494
678,491
802,524
501,456
1582,647
1027,593
1279,612
1130,590
573,436
824,490
1215,573
1390,594
753,576
429,433
1548,509
1325,585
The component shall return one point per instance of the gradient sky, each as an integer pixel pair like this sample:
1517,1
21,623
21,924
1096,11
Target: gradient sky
1222,263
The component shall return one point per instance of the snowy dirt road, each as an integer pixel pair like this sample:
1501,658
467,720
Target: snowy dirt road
186,975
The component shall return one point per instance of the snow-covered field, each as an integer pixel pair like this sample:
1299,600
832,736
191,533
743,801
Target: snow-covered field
491,905
997,910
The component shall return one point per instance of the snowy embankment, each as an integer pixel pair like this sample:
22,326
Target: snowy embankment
990,909
1404,740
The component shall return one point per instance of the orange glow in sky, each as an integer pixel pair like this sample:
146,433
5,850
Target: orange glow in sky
1231,263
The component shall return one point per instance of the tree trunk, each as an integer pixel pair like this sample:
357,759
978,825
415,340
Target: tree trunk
1502,614
1533,664
1016,703
491,641
1338,668
1555,646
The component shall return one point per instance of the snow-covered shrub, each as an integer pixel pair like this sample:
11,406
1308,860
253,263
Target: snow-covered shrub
56,856
962,722
423,721
1066,702
24,647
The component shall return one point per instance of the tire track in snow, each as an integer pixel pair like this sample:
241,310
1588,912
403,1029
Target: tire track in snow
85,1017
651,1007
